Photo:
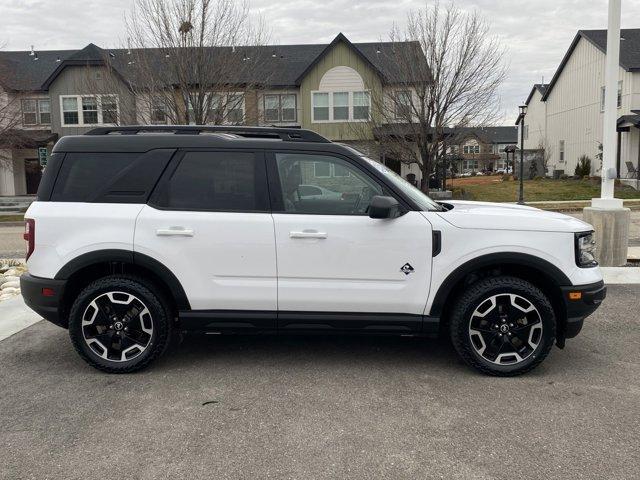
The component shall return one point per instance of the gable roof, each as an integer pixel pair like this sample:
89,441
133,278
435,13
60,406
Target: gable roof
280,65
499,134
540,87
629,50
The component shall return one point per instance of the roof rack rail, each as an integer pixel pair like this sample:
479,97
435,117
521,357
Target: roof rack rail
291,134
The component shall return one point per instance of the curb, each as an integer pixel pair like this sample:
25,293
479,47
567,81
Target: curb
621,275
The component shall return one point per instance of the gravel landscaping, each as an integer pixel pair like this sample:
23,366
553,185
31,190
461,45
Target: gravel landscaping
10,271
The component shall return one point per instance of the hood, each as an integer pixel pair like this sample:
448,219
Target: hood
508,216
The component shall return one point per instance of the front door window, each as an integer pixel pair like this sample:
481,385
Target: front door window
322,184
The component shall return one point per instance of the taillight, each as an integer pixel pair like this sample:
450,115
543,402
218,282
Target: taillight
30,235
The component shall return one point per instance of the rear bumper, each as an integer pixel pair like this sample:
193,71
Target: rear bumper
580,301
47,306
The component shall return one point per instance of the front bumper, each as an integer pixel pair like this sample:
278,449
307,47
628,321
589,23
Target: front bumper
44,296
580,301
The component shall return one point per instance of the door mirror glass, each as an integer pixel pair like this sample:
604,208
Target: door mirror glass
384,207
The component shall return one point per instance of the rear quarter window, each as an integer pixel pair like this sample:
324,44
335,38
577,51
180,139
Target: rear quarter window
109,177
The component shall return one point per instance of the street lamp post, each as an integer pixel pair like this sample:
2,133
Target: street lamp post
523,112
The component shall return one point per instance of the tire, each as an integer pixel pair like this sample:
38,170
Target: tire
511,318
120,324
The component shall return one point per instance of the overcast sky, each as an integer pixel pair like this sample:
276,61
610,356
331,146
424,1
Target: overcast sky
535,32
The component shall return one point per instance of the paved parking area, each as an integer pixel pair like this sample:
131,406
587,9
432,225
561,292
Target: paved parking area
318,407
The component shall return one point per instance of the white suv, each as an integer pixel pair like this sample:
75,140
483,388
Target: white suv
139,232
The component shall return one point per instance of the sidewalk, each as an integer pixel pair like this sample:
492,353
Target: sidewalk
15,316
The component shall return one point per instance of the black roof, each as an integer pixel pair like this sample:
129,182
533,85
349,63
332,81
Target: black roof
540,87
499,134
629,50
279,65
489,134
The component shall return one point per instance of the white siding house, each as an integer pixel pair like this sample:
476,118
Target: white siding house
566,116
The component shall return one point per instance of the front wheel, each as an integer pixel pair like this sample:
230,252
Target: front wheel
120,324
503,326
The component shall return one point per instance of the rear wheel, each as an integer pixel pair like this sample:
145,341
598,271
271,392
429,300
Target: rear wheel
503,326
120,324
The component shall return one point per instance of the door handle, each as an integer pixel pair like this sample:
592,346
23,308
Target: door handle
308,234
174,231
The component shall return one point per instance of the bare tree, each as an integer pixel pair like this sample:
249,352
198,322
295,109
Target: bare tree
449,79
193,61
10,117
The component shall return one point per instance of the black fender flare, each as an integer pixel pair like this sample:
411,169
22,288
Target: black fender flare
495,259
134,258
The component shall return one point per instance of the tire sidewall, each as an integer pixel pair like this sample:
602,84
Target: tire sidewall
482,292
145,294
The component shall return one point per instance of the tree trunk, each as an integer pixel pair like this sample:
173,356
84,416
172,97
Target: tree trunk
426,168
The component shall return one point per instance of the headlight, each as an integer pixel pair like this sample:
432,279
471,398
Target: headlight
585,249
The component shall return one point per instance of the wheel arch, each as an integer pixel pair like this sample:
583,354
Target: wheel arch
92,265
543,274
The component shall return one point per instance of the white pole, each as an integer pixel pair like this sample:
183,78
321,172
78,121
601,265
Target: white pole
609,134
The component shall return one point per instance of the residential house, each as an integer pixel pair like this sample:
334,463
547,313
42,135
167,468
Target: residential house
566,115
481,149
324,87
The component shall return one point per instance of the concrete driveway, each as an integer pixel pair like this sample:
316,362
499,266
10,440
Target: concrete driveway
317,407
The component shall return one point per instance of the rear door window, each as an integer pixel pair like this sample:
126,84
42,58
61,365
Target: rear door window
217,181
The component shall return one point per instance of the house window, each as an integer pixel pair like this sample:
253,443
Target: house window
223,108
470,164
36,111
44,112
402,104
109,109
340,106
280,107
158,111
81,110
320,106
328,170
561,150
361,105
29,112
469,149
70,111
216,109
235,108
525,132
321,170
618,98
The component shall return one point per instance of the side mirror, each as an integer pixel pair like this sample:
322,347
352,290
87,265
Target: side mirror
384,207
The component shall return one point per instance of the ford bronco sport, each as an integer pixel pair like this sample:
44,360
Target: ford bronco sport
140,232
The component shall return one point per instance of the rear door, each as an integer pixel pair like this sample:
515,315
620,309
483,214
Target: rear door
334,262
209,223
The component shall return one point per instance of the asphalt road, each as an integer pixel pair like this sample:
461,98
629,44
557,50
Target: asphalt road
317,407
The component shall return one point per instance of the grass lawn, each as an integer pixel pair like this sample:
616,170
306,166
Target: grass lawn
11,218
493,189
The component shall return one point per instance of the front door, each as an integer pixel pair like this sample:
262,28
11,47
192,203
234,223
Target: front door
33,175
209,223
337,267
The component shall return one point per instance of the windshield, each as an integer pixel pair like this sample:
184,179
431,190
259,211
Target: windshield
418,197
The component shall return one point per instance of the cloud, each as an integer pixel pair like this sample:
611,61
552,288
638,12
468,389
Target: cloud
536,33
